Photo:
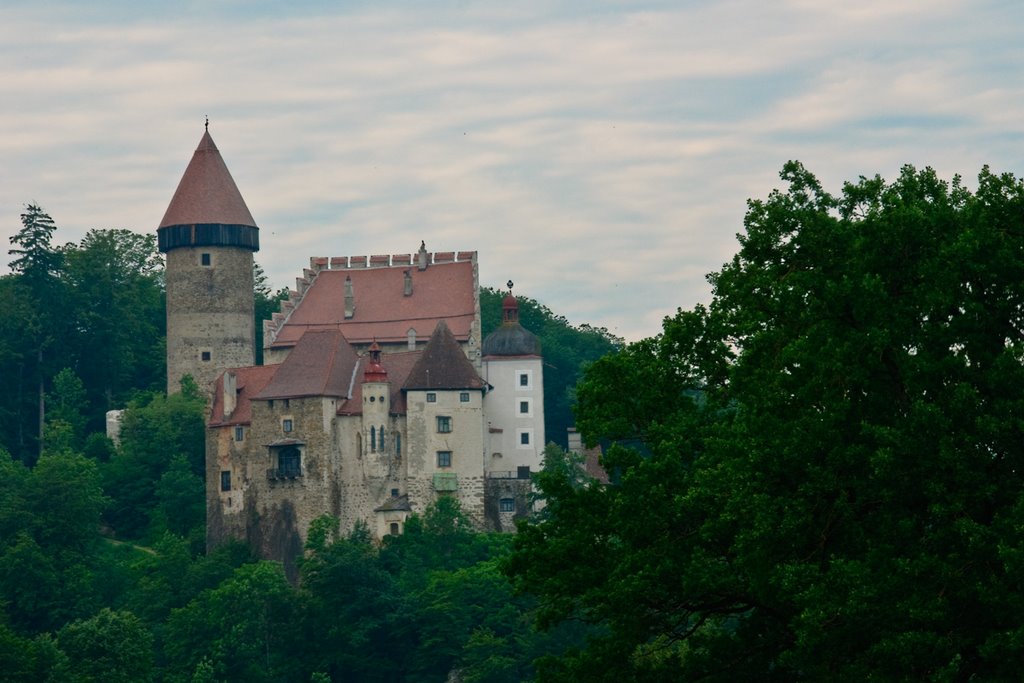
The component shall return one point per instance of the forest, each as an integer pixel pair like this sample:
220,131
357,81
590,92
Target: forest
818,475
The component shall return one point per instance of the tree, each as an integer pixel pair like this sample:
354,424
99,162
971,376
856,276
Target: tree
244,628
567,349
110,647
36,259
267,303
154,430
115,283
821,473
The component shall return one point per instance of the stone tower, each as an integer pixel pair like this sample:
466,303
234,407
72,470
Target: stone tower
209,237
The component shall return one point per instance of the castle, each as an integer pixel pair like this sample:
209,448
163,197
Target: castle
377,394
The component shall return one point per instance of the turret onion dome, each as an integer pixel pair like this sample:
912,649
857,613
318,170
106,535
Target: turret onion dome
375,372
511,339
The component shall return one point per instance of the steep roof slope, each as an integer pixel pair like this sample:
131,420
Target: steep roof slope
321,364
443,365
207,193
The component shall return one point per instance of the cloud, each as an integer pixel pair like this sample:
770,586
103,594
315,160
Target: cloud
599,154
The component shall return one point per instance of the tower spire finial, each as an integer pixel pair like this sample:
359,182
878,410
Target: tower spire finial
207,124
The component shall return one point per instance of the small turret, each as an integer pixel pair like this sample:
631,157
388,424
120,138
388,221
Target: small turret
511,338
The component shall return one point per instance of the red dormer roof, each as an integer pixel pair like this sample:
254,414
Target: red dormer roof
207,193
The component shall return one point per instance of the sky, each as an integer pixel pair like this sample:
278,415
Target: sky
599,154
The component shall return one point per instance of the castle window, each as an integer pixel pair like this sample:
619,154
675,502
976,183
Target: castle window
204,259
507,505
444,458
398,443
286,403
524,438
205,355
444,424
394,528
373,439
286,425
394,493
289,462
239,433
524,407
431,397
524,380
225,480
382,438
270,404
464,397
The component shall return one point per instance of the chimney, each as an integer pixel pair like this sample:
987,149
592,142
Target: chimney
408,283
350,298
230,393
421,256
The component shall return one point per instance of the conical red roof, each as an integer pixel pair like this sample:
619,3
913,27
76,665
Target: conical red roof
207,193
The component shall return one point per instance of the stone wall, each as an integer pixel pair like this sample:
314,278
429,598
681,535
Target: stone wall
209,311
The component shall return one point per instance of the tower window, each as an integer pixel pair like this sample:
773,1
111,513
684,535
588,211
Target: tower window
431,397
444,458
204,259
225,480
464,397
507,505
524,407
524,379
394,493
205,355
286,425
444,424
239,433
398,443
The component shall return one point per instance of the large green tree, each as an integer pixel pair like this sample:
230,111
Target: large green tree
825,471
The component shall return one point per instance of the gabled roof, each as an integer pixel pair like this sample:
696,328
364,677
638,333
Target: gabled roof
321,364
207,193
444,291
443,365
248,383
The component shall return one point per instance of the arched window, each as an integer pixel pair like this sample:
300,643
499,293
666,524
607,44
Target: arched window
382,438
373,439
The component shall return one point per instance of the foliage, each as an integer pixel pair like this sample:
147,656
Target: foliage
93,309
155,430
829,478
110,647
566,348
241,628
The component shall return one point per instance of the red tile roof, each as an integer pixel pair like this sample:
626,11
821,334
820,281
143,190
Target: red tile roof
443,291
207,193
323,363
249,382
443,365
